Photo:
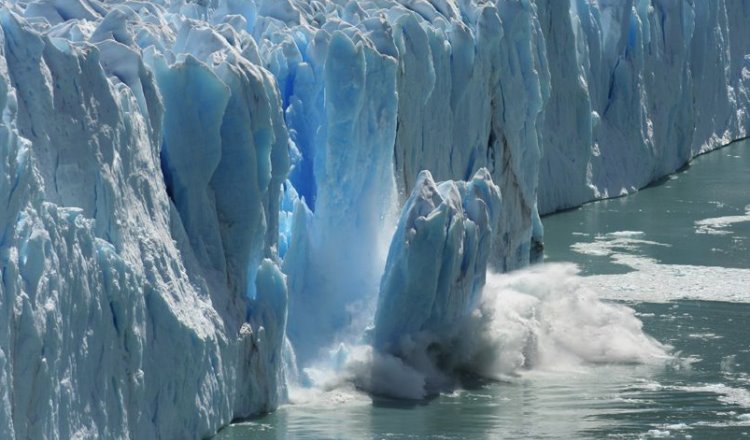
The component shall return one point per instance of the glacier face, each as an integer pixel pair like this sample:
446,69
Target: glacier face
127,248
640,88
184,184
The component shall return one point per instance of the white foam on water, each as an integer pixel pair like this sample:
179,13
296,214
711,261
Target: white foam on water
719,225
614,243
546,317
541,319
658,433
650,281
726,394
653,282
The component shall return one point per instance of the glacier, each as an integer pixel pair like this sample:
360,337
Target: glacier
199,198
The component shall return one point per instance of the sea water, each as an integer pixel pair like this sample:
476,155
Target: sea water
678,254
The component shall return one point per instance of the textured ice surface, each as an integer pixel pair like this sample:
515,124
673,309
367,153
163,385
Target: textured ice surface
182,183
437,262
640,87
139,196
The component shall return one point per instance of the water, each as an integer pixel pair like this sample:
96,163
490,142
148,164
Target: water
677,253
700,216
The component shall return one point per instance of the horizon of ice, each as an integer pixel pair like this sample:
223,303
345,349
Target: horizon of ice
200,197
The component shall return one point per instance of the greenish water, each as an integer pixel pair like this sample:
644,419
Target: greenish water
677,253
700,216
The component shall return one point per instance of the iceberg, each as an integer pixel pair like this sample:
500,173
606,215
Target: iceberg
197,198
437,262
436,266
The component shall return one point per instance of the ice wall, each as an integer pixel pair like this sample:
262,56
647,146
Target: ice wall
640,87
141,295
185,183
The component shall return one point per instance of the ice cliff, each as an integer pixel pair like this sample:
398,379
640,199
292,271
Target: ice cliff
192,193
640,88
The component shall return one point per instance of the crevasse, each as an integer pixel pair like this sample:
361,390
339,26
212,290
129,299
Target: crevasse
185,186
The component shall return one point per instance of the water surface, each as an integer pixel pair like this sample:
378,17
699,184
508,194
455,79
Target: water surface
677,253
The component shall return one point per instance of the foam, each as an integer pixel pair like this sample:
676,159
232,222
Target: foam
541,319
726,394
559,322
719,225
654,282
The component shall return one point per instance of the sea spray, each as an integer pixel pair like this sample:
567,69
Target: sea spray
543,318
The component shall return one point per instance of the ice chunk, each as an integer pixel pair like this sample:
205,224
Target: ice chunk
436,264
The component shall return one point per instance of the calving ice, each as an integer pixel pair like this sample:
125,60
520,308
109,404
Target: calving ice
198,200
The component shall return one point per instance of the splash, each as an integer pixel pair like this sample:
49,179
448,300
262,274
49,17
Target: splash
543,318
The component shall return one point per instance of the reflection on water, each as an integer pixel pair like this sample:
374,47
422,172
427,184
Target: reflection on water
670,252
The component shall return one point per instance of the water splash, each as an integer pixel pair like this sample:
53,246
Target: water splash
543,318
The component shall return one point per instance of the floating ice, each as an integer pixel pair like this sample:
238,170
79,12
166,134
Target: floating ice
718,225
649,280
